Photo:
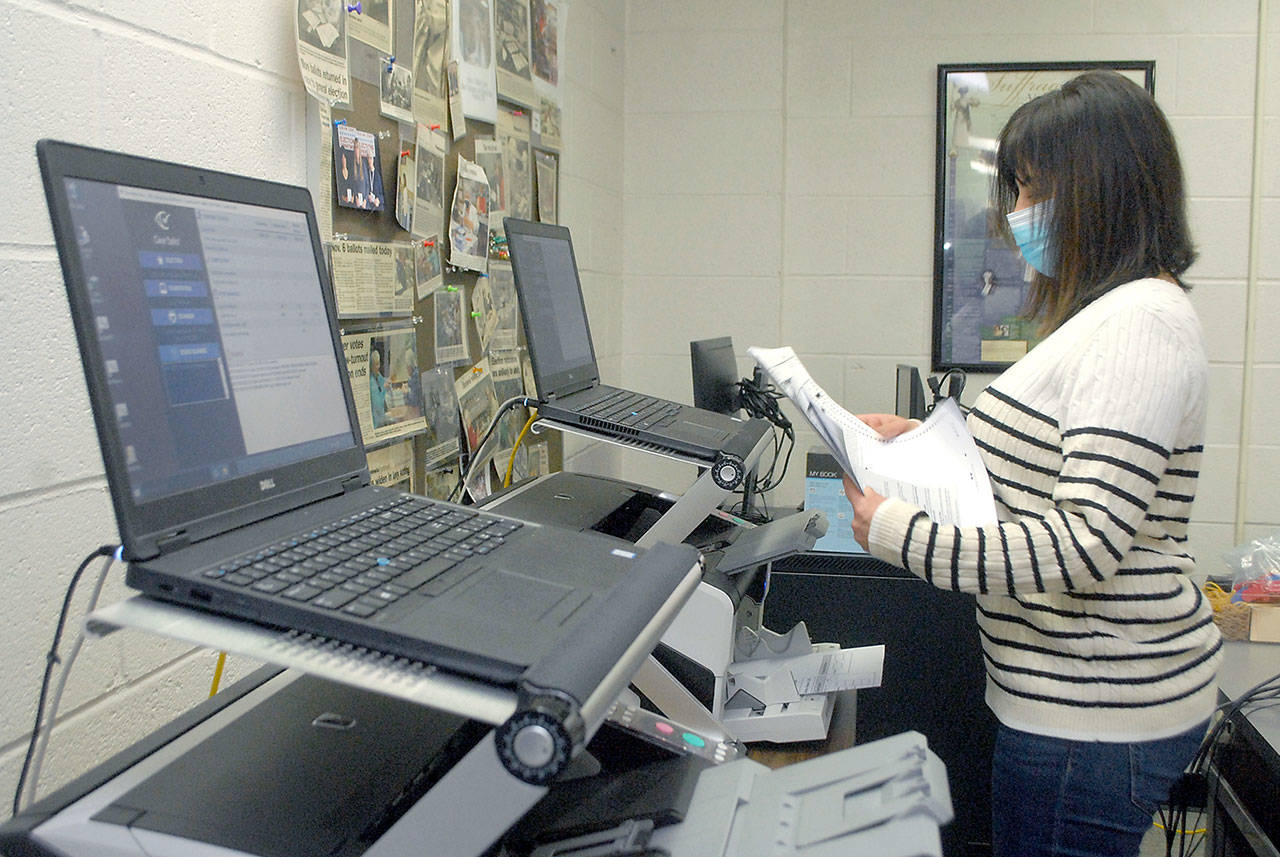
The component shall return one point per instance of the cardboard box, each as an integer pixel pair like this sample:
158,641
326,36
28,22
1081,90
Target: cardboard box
1264,623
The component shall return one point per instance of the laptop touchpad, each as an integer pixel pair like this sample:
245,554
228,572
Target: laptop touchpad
514,596
701,432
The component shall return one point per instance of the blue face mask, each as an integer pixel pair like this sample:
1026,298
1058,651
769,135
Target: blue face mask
1030,228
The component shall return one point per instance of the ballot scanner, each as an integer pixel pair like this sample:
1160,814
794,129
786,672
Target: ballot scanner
718,667
285,763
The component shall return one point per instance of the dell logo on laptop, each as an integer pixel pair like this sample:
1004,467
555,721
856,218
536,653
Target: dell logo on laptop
339,722
266,484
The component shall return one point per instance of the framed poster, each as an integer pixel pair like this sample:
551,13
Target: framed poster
980,282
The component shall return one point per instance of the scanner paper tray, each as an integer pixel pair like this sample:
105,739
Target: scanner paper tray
341,662
883,799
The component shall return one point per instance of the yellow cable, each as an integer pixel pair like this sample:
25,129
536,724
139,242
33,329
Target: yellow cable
1182,832
533,415
217,672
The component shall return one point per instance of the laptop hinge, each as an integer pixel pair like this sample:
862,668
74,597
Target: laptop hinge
353,483
173,542
575,388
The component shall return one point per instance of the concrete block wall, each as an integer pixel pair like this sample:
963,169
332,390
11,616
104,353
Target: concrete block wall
591,189
214,84
779,184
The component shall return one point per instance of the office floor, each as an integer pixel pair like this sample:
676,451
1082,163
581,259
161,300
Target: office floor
1153,843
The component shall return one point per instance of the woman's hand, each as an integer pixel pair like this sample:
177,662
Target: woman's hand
889,425
864,504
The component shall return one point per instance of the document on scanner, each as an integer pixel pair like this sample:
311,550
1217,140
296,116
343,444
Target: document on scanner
935,466
844,669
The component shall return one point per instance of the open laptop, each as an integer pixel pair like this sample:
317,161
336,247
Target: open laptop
564,360
210,343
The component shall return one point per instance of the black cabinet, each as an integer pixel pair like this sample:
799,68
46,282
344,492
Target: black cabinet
933,670
1244,789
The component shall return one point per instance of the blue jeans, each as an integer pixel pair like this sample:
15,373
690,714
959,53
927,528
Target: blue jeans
1051,797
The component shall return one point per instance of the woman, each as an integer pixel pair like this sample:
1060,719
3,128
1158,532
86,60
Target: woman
1101,654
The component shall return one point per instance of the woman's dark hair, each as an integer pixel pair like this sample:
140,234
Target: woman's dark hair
1101,148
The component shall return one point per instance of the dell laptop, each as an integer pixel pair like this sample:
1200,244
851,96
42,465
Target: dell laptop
564,360
209,337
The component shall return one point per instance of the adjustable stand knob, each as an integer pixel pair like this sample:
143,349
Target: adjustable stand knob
727,472
534,746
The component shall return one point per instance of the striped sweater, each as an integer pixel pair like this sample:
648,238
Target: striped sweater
1091,629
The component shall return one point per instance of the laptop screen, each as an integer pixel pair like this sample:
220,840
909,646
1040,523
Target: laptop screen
213,331
555,317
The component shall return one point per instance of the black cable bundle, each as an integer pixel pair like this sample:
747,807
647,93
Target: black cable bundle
954,379
761,400
1191,790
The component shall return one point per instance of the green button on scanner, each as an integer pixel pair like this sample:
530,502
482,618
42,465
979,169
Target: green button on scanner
693,740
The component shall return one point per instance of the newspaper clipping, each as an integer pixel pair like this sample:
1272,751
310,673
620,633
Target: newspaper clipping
548,174
383,368
489,159
440,407
322,50
324,200
515,81
395,92
428,204
439,484
392,466
471,45
547,47
547,123
429,39
508,383
366,280
477,402
427,266
456,118
517,162
495,300
406,278
469,218
451,328
370,22
406,182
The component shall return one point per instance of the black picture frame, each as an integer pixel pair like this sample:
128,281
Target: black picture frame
979,281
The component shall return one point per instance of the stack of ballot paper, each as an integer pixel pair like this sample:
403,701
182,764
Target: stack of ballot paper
935,466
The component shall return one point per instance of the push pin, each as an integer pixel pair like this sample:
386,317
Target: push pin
354,7
391,63
339,121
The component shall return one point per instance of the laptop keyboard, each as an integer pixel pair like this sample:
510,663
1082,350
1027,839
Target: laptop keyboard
361,563
625,408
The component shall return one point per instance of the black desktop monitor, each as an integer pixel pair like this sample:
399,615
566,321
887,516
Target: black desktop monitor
715,375
910,393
